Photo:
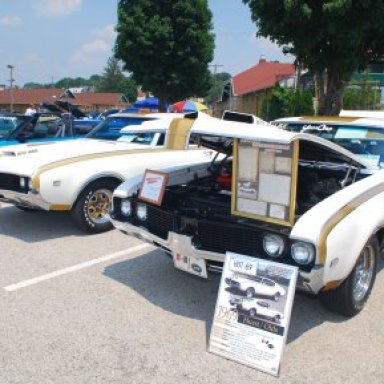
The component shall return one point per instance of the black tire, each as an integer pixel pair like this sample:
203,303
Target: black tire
91,207
26,209
349,298
250,292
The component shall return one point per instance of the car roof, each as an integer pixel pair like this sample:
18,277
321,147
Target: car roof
265,133
361,113
158,122
336,120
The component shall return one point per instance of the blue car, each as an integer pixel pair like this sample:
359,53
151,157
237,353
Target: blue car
37,128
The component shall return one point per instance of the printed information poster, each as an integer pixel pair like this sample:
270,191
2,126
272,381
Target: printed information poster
253,311
154,184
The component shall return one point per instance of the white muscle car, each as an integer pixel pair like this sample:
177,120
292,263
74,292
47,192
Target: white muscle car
257,286
257,308
286,196
80,175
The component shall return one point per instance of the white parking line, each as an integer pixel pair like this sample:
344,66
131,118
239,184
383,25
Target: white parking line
74,268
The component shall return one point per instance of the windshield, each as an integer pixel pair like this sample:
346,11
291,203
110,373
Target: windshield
144,138
109,129
367,142
38,127
9,124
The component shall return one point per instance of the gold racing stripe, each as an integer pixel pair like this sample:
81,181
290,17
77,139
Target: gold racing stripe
59,207
60,163
341,214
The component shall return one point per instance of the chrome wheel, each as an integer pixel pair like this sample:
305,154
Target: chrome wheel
351,295
98,205
364,273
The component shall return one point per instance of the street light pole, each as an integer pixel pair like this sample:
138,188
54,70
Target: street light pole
11,80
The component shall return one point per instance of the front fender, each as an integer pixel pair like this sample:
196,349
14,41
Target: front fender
340,226
61,187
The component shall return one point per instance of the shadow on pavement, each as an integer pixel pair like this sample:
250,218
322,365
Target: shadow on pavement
35,226
153,276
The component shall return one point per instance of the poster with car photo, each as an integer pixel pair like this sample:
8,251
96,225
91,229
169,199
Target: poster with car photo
252,311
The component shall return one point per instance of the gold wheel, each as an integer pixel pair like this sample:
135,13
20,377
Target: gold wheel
98,205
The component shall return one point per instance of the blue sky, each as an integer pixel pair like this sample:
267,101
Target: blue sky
47,40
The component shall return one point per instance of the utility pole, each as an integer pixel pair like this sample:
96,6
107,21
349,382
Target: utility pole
215,66
11,80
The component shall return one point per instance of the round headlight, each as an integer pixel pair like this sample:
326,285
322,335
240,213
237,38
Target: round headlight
273,245
126,207
302,253
141,212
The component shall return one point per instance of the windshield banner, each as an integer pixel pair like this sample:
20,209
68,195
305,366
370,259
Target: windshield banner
253,311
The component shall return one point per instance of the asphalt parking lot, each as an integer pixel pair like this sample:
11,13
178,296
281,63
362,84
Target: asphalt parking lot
107,308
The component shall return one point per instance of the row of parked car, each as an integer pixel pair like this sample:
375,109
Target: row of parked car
303,191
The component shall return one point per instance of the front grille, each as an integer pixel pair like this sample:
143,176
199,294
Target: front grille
10,182
222,237
160,222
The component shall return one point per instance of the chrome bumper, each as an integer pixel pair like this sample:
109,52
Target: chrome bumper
310,282
29,200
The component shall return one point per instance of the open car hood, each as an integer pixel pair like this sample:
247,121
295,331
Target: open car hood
71,109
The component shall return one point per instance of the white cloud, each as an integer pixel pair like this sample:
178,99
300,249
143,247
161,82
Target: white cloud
87,51
269,49
100,45
10,21
57,8
108,32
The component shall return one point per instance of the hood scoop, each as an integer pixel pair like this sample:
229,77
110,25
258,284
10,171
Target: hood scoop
17,152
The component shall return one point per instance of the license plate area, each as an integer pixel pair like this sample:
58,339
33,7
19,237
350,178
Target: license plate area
191,265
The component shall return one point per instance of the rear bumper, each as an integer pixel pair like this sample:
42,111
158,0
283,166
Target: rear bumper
311,282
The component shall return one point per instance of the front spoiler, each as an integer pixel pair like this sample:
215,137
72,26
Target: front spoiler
28,200
311,282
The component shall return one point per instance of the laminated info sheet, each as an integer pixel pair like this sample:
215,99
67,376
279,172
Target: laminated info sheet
264,180
252,328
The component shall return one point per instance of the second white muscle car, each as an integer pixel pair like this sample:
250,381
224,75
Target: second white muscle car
79,176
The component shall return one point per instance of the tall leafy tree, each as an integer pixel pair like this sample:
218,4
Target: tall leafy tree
332,38
129,87
166,45
112,76
218,81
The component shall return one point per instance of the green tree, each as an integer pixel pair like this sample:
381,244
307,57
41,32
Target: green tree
167,46
32,84
68,82
332,38
361,95
112,77
283,102
129,87
218,81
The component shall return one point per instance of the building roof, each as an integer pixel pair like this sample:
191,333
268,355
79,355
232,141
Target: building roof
30,96
98,98
261,76
40,95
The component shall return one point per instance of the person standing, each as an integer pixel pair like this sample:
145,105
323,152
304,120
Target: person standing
31,110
